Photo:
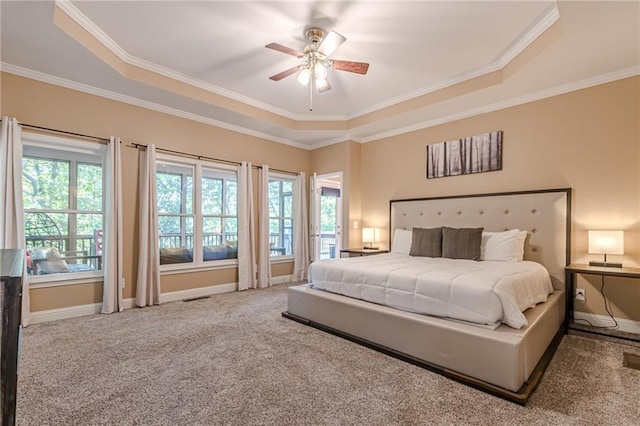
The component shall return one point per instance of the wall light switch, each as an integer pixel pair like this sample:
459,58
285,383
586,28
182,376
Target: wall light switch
355,224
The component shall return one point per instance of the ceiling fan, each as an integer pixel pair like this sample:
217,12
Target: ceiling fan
316,60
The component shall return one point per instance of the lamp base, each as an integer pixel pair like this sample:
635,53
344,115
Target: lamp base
370,248
606,264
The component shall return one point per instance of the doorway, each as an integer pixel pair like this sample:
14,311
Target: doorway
327,216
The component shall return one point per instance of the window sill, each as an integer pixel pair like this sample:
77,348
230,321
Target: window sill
281,259
60,280
189,268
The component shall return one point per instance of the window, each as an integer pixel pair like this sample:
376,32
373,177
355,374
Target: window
63,196
197,213
281,216
176,216
219,214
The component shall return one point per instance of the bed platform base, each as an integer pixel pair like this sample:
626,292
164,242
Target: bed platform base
524,353
520,397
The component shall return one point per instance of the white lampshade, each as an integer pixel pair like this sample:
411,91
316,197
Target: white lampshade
304,76
320,71
606,242
370,235
321,84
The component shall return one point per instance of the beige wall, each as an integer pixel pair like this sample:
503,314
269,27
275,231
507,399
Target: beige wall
46,105
587,140
355,191
343,157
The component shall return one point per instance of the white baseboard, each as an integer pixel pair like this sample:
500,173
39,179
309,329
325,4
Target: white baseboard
280,280
194,293
94,308
626,325
64,313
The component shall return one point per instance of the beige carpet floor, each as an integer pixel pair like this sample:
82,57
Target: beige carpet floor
233,360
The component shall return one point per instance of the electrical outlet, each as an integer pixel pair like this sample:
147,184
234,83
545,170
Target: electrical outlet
581,294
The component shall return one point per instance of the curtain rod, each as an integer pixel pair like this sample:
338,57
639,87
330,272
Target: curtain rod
204,157
64,132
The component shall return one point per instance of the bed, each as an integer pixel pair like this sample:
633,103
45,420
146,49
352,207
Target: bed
506,358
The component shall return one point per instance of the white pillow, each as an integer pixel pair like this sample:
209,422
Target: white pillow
50,261
507,246
401,241
520,239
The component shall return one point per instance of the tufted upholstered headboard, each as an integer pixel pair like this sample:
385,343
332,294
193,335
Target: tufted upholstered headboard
545,214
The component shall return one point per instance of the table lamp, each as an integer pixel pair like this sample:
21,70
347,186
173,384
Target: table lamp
370,236
606,242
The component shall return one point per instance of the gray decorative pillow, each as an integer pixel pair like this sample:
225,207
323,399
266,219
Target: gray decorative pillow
426,242
461,243
175,255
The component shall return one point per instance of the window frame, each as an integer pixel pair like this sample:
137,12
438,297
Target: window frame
275,176
197,264
224,215
41,146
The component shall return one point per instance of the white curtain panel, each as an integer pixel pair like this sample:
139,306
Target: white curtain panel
148,285
314,226
112,250
300,230
11,207
264,248
246,229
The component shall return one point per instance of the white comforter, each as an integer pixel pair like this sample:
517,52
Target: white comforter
480,292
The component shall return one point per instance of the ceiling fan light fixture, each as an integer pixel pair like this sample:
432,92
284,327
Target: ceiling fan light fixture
304,76
321,84
314,70
320,71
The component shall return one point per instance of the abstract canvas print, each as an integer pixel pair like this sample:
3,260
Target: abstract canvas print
473,154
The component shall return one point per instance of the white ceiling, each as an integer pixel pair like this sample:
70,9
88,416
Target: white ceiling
414,48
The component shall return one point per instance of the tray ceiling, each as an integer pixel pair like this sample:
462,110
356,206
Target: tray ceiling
431,61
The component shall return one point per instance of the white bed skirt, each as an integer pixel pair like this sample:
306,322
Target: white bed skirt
504,357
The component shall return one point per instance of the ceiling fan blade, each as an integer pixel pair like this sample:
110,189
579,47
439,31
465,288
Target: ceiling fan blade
357,67
330,43
283,74
284,49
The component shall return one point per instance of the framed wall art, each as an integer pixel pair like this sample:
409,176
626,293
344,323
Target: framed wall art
472,154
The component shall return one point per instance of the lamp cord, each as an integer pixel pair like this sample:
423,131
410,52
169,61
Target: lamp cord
607,307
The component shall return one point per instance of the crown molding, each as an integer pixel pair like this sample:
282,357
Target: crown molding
331,141
91,28
547,19
81,19
559,90
85,88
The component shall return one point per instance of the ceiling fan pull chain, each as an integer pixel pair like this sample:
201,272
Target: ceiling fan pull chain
311,95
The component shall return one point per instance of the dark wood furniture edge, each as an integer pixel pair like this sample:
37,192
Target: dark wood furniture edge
603,270
11,311
362,250
570,278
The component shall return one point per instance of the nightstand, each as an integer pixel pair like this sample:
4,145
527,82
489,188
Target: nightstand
357,252
571,272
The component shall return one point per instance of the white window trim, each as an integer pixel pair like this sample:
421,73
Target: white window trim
285,177
182,269
197,265
281,259
46,142
60,280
